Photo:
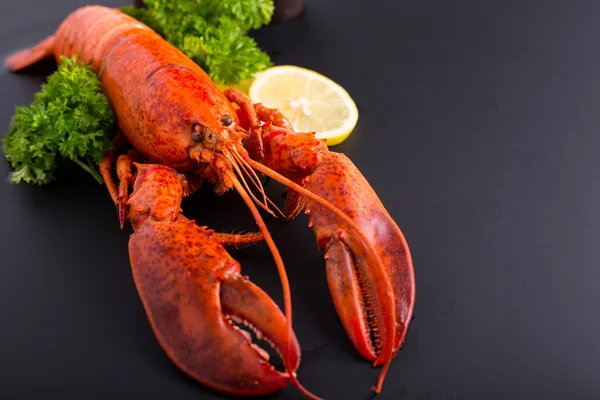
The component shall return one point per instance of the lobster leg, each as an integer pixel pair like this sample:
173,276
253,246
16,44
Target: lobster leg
196,299
233,239
248,120
294,202
274,115
238,97
124,164
106,163
190,185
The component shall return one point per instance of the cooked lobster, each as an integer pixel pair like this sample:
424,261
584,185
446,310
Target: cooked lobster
184,131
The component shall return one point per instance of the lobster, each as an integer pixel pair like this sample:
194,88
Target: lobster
184,131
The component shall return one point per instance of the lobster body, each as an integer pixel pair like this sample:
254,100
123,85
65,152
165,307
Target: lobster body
149,83
177,119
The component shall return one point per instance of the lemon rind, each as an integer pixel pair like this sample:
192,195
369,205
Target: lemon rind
333,136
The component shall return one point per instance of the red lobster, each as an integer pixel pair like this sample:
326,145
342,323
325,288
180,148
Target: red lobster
188,131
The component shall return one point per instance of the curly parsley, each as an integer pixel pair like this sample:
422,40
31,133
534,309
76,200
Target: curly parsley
213,33
69,118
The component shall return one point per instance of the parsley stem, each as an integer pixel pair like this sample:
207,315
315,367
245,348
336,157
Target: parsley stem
90,169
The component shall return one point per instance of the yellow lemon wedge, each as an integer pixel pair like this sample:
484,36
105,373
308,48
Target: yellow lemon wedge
312,102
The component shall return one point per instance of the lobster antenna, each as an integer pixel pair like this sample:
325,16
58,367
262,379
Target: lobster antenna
287,300
390,297
264,205
256,181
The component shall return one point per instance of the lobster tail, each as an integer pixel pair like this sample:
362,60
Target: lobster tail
27,57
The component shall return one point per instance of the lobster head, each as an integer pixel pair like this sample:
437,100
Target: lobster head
182,118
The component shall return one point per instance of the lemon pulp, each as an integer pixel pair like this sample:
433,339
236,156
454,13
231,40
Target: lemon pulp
311,101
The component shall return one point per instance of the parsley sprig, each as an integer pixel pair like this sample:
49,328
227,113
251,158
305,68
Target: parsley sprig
213,33
68,118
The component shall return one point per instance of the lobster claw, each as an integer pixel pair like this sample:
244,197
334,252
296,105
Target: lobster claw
373,293
196,300
356,284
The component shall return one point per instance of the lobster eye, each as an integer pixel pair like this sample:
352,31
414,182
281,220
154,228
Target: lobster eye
226,120
197,133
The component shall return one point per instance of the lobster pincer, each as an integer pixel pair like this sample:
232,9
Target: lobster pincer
356,285
368,263
196,299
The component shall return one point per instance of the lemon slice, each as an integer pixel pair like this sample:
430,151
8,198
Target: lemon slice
311,101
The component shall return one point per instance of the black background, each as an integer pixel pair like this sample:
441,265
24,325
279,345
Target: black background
479,131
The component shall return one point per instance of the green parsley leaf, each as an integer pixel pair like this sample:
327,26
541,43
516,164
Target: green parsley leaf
213,33
68,118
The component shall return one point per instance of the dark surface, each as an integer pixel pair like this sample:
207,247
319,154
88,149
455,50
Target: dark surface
479,131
